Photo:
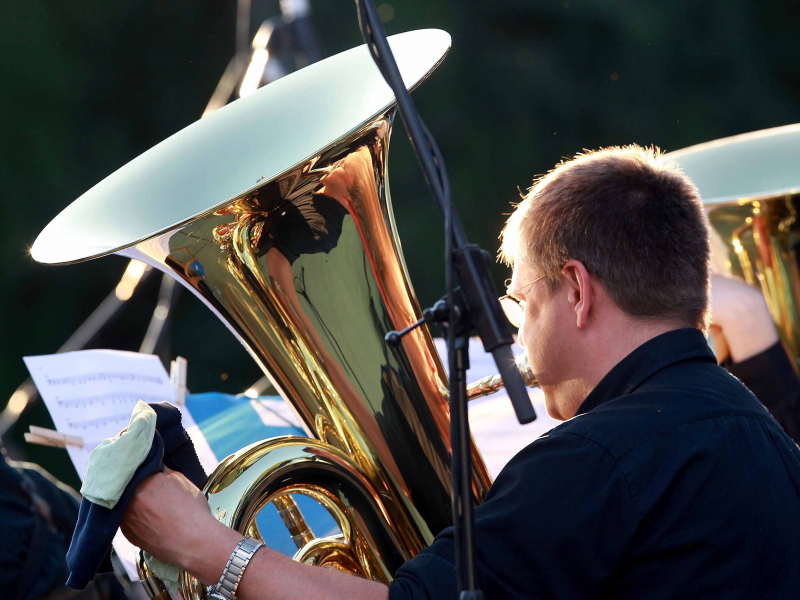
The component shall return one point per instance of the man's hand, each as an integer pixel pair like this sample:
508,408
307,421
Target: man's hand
170,518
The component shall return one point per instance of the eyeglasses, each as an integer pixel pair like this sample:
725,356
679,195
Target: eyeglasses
514,308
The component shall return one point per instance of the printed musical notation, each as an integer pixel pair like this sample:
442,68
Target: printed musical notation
109,399
99,422
92,393
104,377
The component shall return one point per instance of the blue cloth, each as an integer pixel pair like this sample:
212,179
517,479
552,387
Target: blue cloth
229,423
90,550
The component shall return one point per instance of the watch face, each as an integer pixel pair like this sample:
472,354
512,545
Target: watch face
213,594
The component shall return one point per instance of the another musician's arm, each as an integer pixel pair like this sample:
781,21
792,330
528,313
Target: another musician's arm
742,328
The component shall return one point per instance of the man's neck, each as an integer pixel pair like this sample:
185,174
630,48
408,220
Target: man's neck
601,353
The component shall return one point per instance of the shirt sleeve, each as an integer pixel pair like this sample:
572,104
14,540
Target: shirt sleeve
771,377
24,529
554,525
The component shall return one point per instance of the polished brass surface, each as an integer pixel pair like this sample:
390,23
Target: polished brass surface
750,185
153,586
494,383
307,271
293,519
763,239
248,480
292,244
330,553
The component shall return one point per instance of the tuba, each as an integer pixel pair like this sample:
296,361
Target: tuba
275,212
750,185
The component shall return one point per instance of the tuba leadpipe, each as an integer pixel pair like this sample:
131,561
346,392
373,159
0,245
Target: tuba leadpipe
494,383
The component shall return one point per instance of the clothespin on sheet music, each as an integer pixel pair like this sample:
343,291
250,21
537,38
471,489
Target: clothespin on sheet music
49,437
177,377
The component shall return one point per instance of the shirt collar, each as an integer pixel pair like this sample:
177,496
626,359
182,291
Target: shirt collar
649,358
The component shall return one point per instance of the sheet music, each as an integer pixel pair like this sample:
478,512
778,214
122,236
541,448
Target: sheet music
91,394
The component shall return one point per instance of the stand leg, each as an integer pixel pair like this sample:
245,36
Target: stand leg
463,502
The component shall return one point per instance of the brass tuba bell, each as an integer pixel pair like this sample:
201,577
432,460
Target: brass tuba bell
275,212
750,186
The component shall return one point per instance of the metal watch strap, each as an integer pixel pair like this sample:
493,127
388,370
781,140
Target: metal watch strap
232,575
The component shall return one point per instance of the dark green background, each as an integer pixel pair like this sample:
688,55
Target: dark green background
89,85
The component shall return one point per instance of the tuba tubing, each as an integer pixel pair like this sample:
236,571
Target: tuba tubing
494,383
258,474
307,271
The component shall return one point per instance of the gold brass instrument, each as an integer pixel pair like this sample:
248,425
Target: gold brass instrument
750,185
494,383
275,212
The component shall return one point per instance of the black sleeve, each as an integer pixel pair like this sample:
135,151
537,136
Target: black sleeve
772,379
554,525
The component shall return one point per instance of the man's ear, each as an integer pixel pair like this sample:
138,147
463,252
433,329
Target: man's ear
580,290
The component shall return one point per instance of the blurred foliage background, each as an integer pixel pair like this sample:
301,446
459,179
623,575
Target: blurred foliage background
89,85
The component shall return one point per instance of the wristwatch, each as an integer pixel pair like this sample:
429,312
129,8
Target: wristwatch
232,575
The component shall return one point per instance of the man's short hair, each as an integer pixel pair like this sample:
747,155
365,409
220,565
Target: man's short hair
632,218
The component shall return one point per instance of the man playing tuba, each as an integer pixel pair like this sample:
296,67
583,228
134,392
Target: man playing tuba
668,478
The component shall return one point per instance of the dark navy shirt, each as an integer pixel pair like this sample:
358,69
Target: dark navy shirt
771,377
673,481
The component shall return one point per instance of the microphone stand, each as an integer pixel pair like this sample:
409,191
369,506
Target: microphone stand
473,305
